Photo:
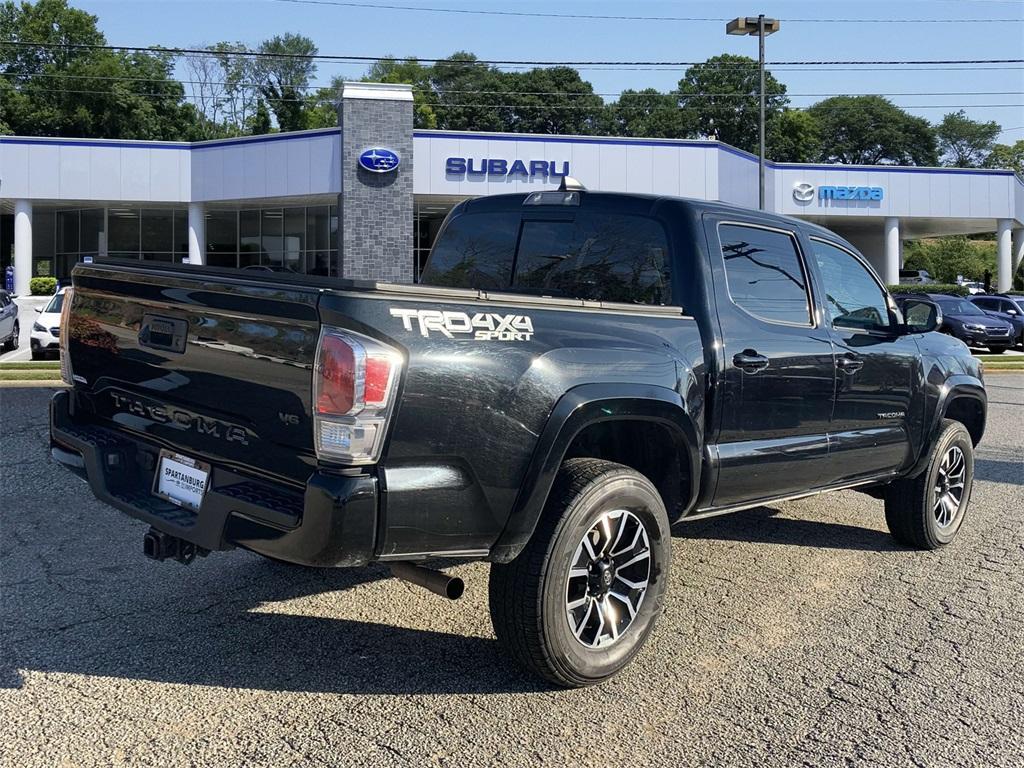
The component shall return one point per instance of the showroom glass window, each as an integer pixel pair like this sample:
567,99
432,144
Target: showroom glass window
764,273
854,298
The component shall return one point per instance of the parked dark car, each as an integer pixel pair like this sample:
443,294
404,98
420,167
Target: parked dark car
10,329
969,323
577,372
1009,309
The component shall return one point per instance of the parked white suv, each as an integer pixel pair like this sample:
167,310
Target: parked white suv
45,338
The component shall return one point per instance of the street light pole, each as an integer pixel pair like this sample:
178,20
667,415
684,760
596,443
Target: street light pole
762,27
760,152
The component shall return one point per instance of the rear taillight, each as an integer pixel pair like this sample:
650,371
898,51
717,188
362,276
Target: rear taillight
63,338
354,387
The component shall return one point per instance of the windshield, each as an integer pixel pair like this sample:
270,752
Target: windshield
959,307
55,304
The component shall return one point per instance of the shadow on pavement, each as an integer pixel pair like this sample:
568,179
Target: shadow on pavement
761,525
998,471
201,639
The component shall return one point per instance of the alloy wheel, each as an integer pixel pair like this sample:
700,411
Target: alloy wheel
608,579
949,487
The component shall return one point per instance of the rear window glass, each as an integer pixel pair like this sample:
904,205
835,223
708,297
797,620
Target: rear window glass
606,257
474,251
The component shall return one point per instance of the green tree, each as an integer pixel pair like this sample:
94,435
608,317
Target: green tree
794,136
259,122
470,96
872,130
965,143
284,71
647,113
720,99
552,100
948,258
391,70
75,91
1007,156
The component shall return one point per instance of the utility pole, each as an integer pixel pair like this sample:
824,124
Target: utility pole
762,27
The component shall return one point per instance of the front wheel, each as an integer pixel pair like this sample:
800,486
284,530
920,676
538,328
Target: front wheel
928,511
997,350
582,597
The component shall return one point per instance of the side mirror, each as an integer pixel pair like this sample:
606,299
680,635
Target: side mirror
922,316
39,310
1011,311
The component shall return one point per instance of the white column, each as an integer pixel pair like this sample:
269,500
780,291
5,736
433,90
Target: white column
22,246
196,233
1004,267
1016,249
892,251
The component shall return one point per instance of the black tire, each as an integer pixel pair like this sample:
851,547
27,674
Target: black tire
38,354
910,504
997,350
11,343
529,596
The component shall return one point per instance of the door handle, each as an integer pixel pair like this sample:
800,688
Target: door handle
849,364
750,361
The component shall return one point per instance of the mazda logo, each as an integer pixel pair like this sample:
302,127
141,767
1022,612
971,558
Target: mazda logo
803,192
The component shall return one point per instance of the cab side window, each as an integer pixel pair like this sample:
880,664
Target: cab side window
854,298
764,273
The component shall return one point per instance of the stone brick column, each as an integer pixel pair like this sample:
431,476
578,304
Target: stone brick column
376,209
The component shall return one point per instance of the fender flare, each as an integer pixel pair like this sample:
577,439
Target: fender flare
956,386
577,409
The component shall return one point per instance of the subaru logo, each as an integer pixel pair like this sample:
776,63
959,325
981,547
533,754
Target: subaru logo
379,159
803,192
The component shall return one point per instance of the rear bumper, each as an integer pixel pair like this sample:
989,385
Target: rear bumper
331,523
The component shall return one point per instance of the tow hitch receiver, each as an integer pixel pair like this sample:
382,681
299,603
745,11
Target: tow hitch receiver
160,546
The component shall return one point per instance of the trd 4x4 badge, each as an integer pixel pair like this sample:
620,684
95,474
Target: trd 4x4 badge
484,326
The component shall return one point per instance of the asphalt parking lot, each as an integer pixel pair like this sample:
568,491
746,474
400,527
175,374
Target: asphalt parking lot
796,635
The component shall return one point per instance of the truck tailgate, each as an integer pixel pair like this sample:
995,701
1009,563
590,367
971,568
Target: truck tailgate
213,366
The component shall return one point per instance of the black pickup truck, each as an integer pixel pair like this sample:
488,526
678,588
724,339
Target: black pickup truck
575,373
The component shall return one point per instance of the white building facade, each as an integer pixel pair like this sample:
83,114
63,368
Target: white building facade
274,199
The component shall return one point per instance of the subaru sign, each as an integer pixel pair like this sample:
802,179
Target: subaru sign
804,193
498,167
379,159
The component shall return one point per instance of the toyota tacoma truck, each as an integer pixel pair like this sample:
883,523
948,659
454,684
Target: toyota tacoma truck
574,374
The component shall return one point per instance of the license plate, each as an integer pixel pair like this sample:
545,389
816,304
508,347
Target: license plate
181,480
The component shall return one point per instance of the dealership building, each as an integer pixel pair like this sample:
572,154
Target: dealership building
366,199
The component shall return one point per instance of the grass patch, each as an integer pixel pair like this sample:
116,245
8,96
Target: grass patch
8,375
36,365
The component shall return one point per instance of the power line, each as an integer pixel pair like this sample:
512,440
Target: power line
539,63
578,94
601,17
487,105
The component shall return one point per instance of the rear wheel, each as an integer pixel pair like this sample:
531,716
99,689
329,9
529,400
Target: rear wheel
928,511
580,600
997,350
12,343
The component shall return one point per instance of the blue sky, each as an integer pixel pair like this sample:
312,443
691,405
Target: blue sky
361,31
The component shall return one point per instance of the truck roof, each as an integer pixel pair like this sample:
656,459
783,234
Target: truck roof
640,203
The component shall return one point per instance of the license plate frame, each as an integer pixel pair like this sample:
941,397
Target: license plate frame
190,495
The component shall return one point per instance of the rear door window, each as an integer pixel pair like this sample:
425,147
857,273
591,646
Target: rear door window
599,257
764,272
